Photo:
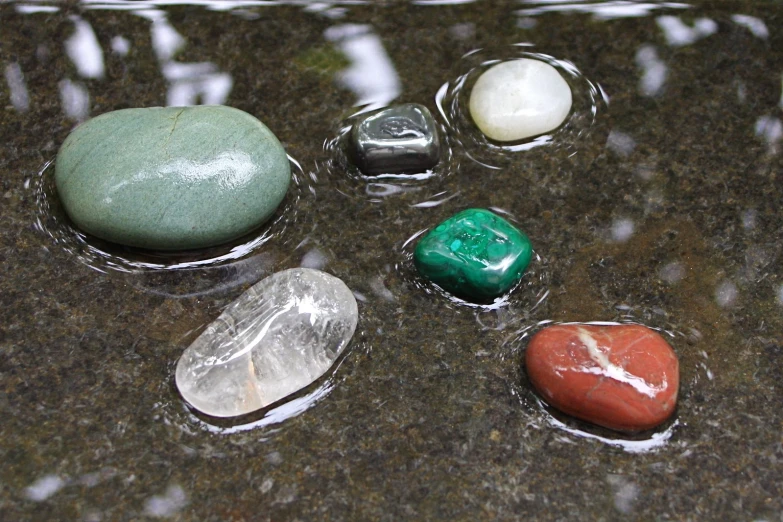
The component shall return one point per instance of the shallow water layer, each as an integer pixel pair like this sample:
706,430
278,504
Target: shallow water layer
657,202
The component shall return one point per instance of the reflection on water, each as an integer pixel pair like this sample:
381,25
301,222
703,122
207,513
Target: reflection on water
120,45
48,485
15,80
749,218
620,143
75,99
726,294
753,24
678,33
436,200
289,409
622,230
654,71
315,259
371,75
189,83
83,49
672,273
626,492
600,10
656,441
33,8
167,504
185,283
85,52
44,487
770,129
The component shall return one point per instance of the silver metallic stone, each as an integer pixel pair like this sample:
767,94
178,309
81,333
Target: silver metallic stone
282,334
395,140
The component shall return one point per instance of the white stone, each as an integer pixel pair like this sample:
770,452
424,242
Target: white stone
278,337
519,99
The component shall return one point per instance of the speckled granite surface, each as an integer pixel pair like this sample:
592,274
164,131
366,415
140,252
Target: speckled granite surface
673,222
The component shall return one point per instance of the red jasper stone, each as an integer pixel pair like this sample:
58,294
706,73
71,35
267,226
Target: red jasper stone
623,377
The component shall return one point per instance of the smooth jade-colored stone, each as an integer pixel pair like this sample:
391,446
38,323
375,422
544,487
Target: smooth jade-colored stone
474,254
171,178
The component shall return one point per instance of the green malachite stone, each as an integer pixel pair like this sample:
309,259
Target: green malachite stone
474,254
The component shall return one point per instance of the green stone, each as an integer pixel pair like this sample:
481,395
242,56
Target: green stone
474,254
171,178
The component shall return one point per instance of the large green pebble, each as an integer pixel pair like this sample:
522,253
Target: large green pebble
171,178
474,254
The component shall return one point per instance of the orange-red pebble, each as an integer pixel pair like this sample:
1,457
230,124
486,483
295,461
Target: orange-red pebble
623,377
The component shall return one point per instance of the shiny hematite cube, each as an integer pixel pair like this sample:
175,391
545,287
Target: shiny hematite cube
396,140
474,254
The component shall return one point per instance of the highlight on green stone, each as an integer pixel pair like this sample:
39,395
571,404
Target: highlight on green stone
474,254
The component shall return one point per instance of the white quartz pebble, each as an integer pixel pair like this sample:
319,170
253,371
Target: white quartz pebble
278,337
519,99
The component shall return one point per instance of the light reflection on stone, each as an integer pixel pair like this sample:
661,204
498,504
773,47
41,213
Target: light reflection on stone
83,49
654,71
780,295
16,85
678,33
371,75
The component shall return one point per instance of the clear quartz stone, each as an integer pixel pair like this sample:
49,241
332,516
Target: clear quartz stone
282,334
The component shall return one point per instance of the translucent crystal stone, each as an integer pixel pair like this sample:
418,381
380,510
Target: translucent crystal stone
278,337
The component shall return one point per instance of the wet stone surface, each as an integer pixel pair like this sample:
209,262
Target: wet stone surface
395,140
475,254
623,377
171,178
519,99
674,223
279,337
